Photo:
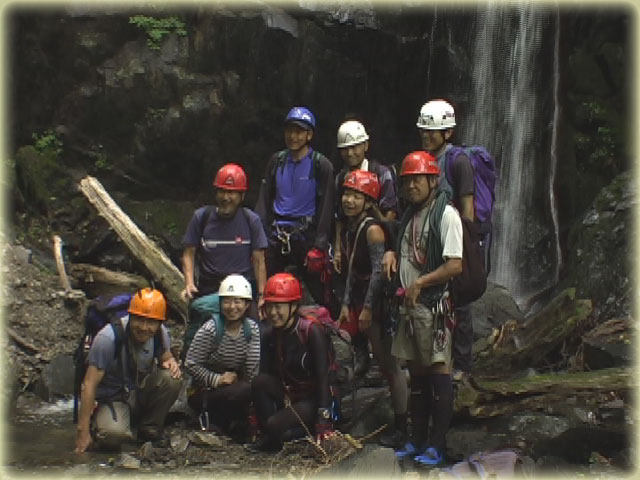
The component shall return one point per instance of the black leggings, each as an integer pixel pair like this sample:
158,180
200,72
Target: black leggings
224,404
279,423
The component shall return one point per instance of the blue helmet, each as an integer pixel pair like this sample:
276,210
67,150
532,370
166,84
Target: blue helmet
301,116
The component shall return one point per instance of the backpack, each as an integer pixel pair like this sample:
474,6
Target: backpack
484,177
339,357
101,311
472,282
201,310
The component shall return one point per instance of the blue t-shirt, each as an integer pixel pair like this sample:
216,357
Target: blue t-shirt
295,188
226,243
102,356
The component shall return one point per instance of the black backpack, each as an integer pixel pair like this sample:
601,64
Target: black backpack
101,311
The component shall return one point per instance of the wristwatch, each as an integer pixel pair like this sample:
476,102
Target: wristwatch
324,413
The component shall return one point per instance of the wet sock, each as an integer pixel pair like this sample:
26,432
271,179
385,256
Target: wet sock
441,408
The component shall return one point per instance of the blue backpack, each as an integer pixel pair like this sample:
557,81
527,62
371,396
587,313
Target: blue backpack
484,177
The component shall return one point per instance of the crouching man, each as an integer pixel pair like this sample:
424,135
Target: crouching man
132,375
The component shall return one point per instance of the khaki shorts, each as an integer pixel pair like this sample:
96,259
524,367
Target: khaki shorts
419,346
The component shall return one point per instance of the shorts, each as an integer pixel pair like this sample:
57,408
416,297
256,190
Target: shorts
419,346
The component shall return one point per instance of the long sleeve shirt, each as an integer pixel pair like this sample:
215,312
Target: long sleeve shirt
207,359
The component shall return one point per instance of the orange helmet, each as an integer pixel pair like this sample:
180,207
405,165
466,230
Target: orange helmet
231,177
282,288
419,163
149,303
363,182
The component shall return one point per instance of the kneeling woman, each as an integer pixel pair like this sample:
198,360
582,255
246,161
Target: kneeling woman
223,359
363,243
293,384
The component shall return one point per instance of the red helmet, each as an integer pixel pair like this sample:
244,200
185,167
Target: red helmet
419,163
282,288
231,177
363,182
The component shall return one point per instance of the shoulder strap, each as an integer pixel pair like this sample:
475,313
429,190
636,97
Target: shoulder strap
246,329
205,218
315,157
157,342
219,323
304,323
364,221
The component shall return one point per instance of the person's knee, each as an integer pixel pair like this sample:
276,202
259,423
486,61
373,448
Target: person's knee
112,424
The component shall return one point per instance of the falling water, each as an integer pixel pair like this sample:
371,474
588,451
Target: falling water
554,149
504,115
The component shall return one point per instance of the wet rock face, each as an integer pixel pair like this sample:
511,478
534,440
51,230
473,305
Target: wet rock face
599,262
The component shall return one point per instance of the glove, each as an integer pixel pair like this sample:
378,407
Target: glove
323,430
315,260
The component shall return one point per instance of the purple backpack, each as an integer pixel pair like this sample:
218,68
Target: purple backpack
484,178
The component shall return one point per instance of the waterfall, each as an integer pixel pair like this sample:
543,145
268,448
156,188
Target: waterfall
505,115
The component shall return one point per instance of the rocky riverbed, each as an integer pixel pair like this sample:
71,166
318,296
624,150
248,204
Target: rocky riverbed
588,438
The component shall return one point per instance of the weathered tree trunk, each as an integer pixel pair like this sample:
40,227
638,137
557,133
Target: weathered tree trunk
482,398
526,345
87,274
169,278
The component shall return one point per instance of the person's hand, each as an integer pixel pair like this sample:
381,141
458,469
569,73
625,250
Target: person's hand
172,365
411,295
337,262
364,320
189,291
344,315
227,378
324,430
83,440
389,263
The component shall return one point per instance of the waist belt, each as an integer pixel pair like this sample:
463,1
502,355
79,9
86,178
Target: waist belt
284,231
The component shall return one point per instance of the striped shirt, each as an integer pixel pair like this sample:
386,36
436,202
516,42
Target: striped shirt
205,360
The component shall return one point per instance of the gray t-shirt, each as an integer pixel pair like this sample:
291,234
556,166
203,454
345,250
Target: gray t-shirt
102,356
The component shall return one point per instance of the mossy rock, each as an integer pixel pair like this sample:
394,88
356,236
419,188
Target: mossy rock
41,178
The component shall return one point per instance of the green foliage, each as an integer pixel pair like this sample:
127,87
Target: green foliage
47,143
102,161
157,28
601,143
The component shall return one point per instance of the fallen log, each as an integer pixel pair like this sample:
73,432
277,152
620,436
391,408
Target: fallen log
488,398
166,275
57,253
88,274
520,346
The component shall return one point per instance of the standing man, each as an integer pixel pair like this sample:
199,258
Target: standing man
296,206
353,145
435,125
224,239
428,254
124,379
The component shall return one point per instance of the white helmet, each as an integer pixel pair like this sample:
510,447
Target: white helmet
350,133
235,286
436,115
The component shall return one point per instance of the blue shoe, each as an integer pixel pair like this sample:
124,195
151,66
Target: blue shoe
409,450
430,457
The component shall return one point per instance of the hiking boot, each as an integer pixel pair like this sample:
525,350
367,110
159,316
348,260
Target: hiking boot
408,451
394,439
430,458
149,434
